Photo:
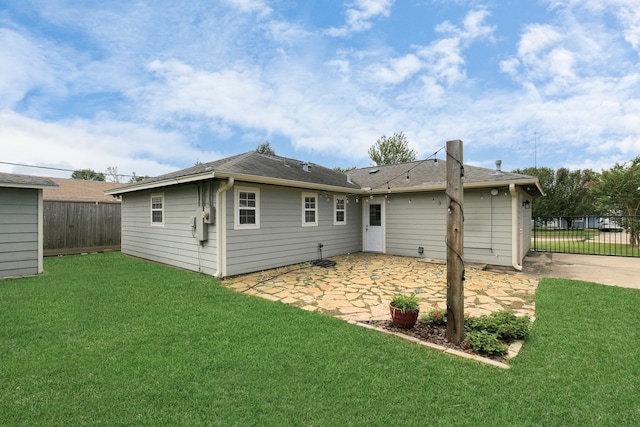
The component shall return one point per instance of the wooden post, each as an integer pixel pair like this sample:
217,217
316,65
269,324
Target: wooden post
455,243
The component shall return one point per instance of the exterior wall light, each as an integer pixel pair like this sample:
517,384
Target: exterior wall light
526,204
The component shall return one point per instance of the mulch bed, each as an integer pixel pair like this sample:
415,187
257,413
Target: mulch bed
432,334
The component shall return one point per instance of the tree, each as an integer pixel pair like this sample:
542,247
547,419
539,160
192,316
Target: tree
88,175
617,192
392,150
265,148
136,178
567,195
113,173
344,170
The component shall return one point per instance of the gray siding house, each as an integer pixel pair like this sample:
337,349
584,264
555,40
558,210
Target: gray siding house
21,219
254,211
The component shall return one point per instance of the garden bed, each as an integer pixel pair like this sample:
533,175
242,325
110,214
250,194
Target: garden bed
436,335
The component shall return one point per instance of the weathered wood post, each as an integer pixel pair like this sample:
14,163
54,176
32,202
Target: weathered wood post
455,242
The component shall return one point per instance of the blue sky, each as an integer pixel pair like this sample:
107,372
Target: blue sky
155,86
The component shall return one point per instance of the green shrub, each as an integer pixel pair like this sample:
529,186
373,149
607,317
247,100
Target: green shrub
436,316
486,342
504,323
406,302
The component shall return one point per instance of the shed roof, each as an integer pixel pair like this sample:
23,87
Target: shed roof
81,190
25,181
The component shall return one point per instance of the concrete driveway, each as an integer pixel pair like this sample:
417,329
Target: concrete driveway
608,270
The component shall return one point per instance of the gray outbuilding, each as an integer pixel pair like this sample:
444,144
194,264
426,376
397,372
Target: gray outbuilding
21,224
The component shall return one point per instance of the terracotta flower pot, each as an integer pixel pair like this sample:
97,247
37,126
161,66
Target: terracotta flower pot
405,319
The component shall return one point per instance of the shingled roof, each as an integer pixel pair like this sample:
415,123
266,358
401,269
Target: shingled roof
80,190
432,175
255,167
25,181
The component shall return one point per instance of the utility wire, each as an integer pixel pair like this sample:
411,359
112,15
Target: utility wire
57,169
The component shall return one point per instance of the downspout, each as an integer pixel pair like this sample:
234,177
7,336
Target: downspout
515,233
221,226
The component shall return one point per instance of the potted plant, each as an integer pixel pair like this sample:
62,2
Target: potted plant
404,310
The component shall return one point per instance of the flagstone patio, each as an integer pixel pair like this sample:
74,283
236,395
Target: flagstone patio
360,286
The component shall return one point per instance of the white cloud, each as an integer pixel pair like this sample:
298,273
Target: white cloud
25,68
251,6
629,15
359,15
398,70
444,60
95,144
473,26
626,12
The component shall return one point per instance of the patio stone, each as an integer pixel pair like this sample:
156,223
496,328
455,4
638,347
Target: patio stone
483,299
361,285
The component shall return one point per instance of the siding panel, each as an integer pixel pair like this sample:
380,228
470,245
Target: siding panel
418,220
18,232
281,239
174,243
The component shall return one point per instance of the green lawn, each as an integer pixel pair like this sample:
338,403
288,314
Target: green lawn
573,232
108,340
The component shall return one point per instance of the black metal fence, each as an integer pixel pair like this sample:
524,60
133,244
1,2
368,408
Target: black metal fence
592,235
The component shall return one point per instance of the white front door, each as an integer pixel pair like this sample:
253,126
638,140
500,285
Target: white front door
374,227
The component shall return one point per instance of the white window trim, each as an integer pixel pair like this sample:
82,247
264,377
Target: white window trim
152,210
304,210
335,210
236,209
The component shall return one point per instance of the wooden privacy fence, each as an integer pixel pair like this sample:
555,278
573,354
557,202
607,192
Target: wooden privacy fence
78,227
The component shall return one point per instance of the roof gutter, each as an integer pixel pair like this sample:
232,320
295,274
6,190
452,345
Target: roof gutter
515,232
443,186
221,229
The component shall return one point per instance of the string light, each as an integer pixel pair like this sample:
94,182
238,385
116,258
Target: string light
418,163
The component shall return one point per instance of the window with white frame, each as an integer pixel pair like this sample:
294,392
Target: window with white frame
247,208
309,209
339,210
157,209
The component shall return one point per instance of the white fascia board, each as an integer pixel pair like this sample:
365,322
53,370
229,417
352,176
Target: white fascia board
161,183
238,177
